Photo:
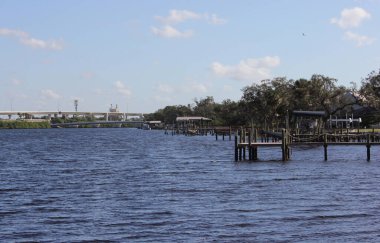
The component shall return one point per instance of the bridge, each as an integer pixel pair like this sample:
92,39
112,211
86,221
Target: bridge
49,114
95,123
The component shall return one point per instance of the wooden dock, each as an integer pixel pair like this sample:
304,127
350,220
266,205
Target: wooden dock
247,142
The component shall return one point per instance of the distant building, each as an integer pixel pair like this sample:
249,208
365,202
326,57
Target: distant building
114,117
112,109
308,120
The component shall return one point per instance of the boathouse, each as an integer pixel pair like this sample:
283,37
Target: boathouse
193,124
308,120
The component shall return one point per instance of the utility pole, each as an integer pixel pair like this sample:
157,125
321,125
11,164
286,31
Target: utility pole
76,105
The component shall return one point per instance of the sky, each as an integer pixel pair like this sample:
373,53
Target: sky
143,55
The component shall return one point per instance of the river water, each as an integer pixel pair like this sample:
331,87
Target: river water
130,185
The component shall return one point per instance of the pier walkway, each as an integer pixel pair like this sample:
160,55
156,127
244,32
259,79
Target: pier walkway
247,142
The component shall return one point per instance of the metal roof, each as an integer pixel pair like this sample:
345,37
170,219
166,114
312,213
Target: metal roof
309,113
192,118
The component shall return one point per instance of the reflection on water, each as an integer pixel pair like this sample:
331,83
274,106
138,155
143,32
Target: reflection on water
132,185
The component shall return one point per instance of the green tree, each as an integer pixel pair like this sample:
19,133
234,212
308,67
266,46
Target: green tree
169,114
301,95
228,113
266,104
326,95
205,107
370,90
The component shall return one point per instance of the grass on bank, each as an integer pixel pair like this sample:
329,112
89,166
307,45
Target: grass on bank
22,124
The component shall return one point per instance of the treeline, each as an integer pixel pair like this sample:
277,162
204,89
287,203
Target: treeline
270,101
20,124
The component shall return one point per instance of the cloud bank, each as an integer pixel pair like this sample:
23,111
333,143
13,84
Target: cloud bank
170,32
252,69
351,18
361,40
27,40
178,16
175,17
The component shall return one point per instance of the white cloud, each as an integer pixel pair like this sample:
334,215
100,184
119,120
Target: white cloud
164,88
36,43
25,39
250,69
164,93
15,33
177,16
49,94
361,40
197,87
119,85
122,89
350,18
191,87
214,19
168,31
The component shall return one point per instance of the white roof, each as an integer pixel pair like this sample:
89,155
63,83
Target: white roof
192,118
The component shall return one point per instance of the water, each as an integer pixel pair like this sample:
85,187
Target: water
129,185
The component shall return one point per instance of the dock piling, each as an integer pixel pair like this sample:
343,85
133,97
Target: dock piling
325,145
236,147
368,147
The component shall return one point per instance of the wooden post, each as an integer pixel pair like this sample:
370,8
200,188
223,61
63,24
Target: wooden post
236,148
244,140
249,145
373,135
240,148
325,145
255,148
230,133
283,145
254,153
287,145
368,147
216,135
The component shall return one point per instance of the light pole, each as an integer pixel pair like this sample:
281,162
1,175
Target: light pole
76,105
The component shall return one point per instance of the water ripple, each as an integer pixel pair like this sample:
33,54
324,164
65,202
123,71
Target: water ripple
129,185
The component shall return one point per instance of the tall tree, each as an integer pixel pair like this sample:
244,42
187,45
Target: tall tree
228,113
169,114
267,103
205,107
370,90
326,95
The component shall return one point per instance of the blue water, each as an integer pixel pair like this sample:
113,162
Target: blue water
130,185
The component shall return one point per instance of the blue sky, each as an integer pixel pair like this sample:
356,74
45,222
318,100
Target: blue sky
144,55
